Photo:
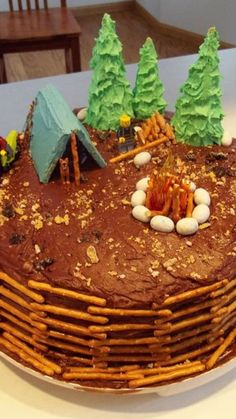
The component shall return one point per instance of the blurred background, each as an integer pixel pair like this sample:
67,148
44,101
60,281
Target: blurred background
177,28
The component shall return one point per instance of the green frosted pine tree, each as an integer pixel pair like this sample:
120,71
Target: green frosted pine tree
110,94
198,115
148,90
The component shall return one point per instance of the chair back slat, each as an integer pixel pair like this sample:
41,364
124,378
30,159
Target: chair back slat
10,5
28,4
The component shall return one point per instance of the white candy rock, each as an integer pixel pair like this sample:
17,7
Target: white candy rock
138,198
142,158
187,226
141,213
201,196
201,213
142,184
162,223
81,115
227,139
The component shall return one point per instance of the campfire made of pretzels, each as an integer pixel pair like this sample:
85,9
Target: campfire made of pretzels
168,202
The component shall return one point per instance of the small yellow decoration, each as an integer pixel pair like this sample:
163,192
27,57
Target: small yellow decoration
92,254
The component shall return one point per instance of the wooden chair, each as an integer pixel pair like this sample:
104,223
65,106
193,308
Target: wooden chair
38,27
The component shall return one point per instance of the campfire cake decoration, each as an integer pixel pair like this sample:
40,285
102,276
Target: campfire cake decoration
88,295
166,200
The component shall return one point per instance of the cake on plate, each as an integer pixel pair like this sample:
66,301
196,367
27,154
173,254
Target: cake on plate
117,252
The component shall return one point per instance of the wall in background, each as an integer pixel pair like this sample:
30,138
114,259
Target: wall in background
196,16
152,6
71,3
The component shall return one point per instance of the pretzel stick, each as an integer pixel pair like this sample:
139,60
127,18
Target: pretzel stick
138,349
60,311
8,328
74,152
76,359
216,355
22,315
136,358
62,345
146,127
17,322
124,368
67,293
99,376
169,132
184,372
33,295
160,121
14,297
26,358
231,322
227,310
225,299
192,354
164,326
191,342
190,204
90,343
130,341
192,332
69,327
224,321
159,370
176,203
140,136
137,150
227,287
194,293
190,310
225,313
126,312
167,205
32,353
121,327
185,323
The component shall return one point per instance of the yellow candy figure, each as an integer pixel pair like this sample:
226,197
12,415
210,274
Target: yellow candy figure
125,134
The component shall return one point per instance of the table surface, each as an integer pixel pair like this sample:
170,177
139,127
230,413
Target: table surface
24,396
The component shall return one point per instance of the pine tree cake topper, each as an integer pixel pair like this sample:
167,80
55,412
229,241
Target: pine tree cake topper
148,90
110,93
198,115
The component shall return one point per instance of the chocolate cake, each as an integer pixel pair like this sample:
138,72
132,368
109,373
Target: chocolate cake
92,295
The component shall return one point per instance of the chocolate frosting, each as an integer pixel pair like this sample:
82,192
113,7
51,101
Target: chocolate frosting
47,231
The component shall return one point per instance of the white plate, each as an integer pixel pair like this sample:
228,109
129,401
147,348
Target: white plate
163,391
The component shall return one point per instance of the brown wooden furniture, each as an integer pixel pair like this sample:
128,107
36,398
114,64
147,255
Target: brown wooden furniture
39,28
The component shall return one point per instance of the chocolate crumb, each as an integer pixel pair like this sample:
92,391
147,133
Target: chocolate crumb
16,238
8,211
190,156
213,156
221,171
43,264
83,179
98,234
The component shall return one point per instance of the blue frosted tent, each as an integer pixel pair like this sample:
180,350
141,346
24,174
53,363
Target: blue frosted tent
52,124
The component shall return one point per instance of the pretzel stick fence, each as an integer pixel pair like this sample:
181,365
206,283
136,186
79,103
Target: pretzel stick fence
181,337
